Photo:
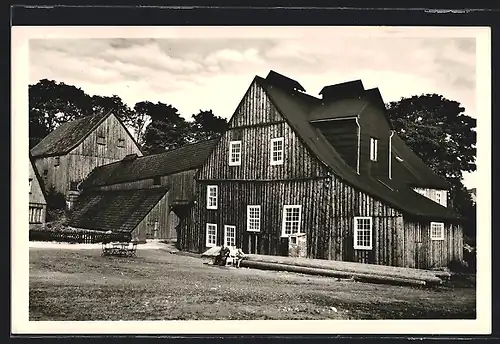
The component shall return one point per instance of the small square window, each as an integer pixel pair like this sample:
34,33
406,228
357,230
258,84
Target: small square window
437,231
157,181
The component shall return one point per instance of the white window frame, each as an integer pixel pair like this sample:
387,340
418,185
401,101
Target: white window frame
441,227
357,230
438,196
209,198
231,147
226,227
283,225
31,185
373,148
277,162
208,236
249,208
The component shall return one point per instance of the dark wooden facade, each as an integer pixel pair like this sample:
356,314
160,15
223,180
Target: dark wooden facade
181,190
329,205
63,172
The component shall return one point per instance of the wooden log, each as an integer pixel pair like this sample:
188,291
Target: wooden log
371,278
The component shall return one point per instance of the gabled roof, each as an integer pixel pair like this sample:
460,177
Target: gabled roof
398,196
38,177
344,108
69,135
117,211
188,157
408,168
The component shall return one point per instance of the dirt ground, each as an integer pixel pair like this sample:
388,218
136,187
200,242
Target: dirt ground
158,285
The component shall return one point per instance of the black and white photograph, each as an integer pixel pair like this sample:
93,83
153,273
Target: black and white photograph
179,174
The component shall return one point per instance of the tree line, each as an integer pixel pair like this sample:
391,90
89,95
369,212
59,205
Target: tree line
155,126
435,128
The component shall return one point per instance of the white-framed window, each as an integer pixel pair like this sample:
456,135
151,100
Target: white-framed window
211,239
253,218
234,153
437,231
212,197
291,219
277,151
363,233
56,161
31,184
373,149
229,235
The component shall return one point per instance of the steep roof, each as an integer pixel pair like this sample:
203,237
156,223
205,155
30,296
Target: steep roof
408,168
396,195
117,211
68,135
191,156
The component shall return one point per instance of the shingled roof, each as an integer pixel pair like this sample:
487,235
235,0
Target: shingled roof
397,195
117,211
188,157
410,169
68,135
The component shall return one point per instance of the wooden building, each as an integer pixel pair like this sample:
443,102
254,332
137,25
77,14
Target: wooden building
142,179
68,154
37,197
322,178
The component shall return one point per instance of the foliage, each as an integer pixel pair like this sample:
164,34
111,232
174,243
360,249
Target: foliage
167,129
207,126
437,130
155,126
52,103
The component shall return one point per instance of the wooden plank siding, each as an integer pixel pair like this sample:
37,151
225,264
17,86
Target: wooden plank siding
422,252
77,164
144,229
255,123
329,205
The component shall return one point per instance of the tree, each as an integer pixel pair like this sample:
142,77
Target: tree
52,103
206,125
167,129
142,119
439,132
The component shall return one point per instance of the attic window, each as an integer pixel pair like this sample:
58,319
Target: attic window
101,140
56,161
121,143
31,179
156,181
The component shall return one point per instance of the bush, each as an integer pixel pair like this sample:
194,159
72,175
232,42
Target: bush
74,236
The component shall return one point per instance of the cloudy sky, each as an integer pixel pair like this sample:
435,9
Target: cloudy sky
194,73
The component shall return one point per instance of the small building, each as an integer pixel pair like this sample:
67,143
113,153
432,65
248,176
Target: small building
326,178
69,153
169,175
37,197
